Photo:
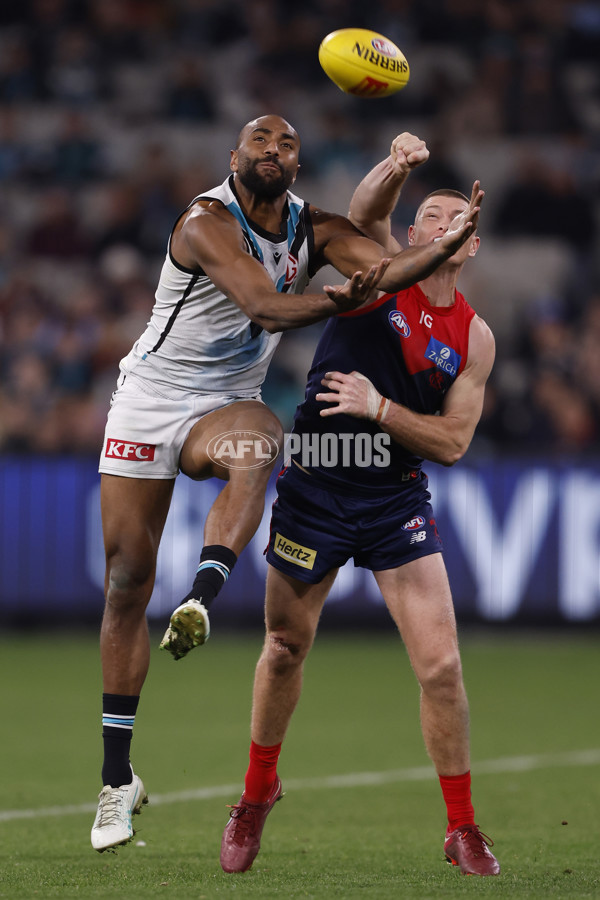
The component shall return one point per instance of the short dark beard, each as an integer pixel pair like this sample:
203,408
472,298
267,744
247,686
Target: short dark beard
267,189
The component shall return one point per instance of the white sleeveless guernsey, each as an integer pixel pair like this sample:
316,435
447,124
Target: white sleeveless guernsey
197,339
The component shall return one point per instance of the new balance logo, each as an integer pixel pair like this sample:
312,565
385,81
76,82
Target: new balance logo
129,450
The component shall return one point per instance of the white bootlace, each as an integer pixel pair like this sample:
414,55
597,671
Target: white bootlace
110,806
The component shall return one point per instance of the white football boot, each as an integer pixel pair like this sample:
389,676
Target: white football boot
112,825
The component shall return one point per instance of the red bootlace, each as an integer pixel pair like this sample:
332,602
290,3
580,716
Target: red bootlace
475,838
245,822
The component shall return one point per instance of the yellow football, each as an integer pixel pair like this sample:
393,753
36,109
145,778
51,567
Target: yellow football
363,63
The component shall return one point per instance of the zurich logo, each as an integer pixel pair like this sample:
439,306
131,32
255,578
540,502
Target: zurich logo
443,357
398,321
414,523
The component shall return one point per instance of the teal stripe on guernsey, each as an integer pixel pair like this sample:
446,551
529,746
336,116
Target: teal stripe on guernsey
234,209
295,210
212,563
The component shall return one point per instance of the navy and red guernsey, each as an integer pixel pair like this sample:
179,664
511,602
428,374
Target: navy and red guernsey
412,352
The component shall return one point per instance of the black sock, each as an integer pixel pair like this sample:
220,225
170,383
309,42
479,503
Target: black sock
118,716
214,568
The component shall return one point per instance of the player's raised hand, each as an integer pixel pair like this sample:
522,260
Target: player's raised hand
408,151
357,289
464,225
354,395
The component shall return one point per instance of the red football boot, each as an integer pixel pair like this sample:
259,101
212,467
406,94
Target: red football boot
241,838
467,847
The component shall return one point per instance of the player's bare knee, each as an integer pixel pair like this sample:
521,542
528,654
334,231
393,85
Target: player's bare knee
270,426
283,652
128,585
442,680
252,479
249,459
257,442
282,646
268,443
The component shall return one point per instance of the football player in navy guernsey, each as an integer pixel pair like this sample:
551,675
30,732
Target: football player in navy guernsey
393,383
236,261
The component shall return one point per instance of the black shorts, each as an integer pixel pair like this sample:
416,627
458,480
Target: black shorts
315,529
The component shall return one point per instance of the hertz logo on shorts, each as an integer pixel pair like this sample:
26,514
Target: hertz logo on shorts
296,553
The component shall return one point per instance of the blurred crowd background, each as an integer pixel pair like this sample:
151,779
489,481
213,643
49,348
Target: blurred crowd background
114,114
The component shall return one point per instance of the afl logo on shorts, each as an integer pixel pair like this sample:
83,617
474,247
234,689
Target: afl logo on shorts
414,523
398,321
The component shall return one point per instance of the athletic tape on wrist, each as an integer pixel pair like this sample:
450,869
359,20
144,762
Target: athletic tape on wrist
377,406
384,405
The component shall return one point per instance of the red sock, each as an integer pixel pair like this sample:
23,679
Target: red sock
457,794
261,773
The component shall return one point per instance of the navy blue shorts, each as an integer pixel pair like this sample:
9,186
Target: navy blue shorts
315,528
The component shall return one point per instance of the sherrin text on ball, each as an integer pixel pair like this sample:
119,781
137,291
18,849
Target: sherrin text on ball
363,62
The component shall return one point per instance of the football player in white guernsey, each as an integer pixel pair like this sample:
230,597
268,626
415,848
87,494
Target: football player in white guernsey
237,258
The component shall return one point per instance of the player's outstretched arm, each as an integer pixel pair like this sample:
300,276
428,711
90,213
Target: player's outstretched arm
213,240
345,248
442,439
376,197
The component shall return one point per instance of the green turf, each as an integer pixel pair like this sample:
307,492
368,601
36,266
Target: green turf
531,696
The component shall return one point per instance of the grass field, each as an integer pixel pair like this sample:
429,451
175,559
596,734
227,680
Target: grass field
375,832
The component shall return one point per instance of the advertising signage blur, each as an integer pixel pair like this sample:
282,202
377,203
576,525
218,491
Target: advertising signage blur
521,544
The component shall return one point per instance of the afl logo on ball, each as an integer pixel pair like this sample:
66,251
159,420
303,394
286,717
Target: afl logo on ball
398,321
384,47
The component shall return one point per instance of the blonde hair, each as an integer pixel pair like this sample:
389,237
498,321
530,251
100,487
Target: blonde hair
442,192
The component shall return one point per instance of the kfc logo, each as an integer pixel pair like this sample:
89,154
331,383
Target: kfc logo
129,450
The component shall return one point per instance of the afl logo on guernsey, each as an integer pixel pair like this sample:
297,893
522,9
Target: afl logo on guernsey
398,321
414,523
